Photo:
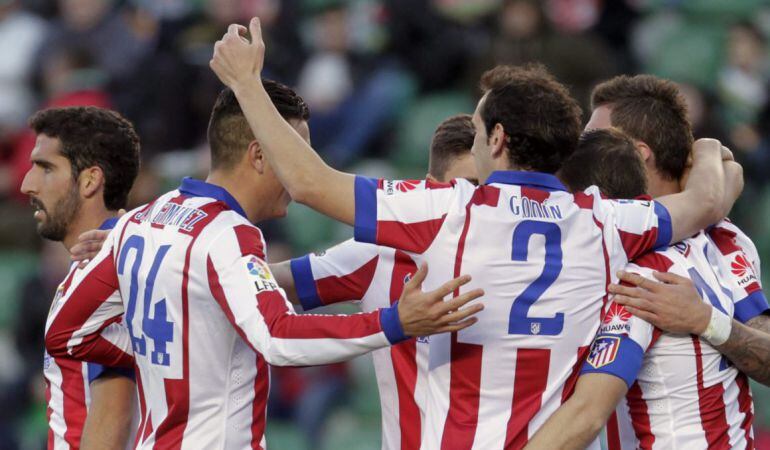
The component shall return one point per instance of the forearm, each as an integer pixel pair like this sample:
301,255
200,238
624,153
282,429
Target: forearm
108,423
301,171
580,419
733,186
303,340
749,351
701,202
570,428
282,274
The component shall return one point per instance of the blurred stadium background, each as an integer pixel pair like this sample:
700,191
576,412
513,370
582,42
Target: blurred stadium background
379,75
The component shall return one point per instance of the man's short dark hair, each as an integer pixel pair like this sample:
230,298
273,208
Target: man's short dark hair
452,138
650,109
606,158
540,118
229,133
92,136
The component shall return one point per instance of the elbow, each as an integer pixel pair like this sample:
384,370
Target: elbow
56,344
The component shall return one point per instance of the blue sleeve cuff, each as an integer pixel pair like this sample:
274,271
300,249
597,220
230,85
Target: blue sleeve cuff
391,324
751,307
304,283
664,225
366,210
95,371
624,361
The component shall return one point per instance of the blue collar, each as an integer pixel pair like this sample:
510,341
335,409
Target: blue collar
538,180
109,223
197,188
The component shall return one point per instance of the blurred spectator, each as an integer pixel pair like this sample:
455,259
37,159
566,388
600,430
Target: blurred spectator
308,395
20,37
742,84
70,77
20,397
352,99
433,47
523,34
116,40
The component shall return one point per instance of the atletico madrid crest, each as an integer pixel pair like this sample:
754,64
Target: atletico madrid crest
604,351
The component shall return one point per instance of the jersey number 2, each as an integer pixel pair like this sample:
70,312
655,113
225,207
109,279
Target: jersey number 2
158,328
520,322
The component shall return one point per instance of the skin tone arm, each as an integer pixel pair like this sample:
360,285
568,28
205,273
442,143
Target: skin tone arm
580,419
238,63
704,198
108,423
282,274
673,305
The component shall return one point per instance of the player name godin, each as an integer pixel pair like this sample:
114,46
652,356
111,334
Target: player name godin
526,207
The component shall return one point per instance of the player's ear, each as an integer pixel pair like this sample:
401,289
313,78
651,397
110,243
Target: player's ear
497,141
256,157
644,150
90,181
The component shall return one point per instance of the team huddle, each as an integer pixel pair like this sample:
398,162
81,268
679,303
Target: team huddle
542,282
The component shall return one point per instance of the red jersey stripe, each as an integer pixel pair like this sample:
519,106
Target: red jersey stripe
637,407
711,405
529,383
745,407
74,392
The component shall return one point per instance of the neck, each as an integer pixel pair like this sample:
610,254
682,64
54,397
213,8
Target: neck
242,189
89,217
659,187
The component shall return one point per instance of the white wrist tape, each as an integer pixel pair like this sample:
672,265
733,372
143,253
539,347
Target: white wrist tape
719,327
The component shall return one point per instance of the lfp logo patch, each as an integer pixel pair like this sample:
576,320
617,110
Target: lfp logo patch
604,351
263,278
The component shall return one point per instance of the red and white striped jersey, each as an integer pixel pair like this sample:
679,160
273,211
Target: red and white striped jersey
682,392
375,276
67,381
544,258
205,316
737,259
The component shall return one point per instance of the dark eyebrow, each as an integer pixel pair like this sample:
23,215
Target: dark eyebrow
43,163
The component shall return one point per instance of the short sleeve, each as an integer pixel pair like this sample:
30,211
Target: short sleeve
738,263
96,371
641,225
405,214
341,273
622,340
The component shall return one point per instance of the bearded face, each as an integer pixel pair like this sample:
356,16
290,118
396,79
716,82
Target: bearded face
54,218
52,189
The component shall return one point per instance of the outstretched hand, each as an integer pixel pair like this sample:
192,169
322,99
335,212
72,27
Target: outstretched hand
237,59
673,304
426,313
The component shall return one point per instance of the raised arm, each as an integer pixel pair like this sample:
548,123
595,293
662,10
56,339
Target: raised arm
238,63
580,419
705,196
